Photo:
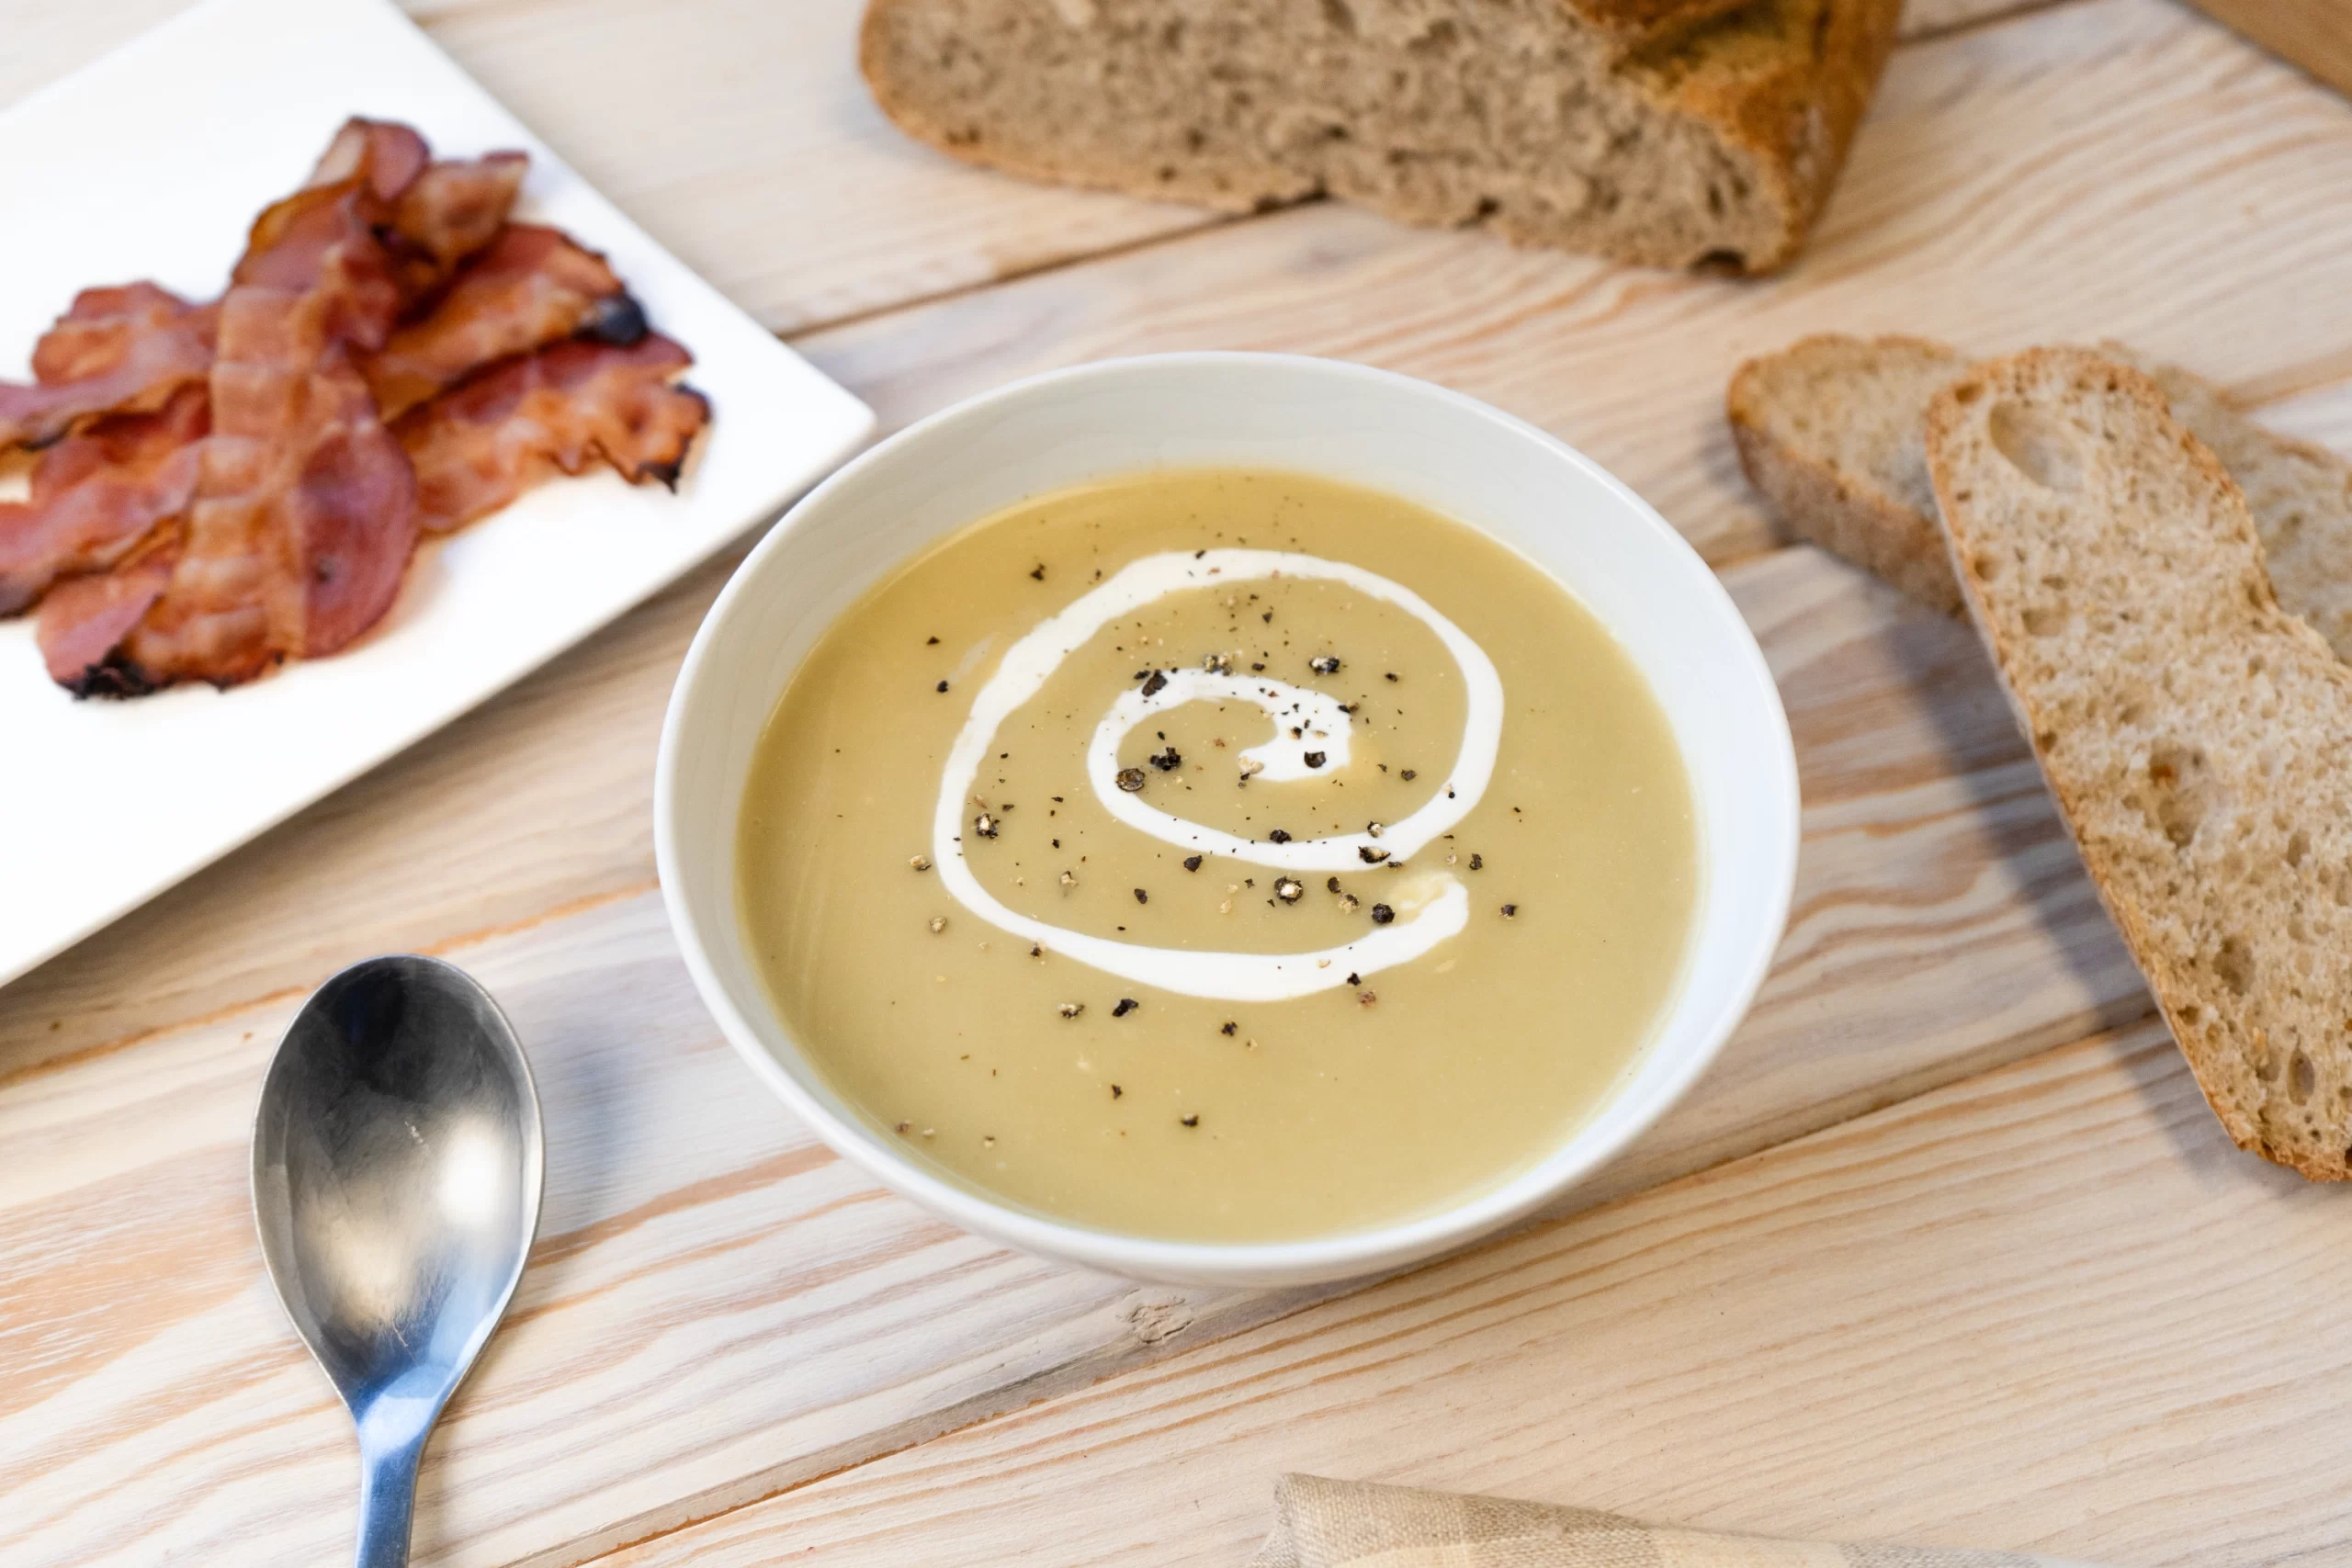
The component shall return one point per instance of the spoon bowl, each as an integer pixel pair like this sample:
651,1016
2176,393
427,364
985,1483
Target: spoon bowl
396,1165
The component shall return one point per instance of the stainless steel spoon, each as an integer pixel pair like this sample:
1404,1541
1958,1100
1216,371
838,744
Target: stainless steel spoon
396,1159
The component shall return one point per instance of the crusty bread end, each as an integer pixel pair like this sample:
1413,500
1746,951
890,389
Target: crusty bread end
2192,730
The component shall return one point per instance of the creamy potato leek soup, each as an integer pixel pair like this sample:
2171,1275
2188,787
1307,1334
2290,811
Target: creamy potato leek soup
1219,856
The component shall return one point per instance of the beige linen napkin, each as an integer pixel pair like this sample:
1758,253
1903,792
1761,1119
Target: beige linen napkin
1349,1524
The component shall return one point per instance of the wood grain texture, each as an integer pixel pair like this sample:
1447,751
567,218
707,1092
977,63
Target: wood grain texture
2314,34
2117,168
719,1309
1986,1317
2323,417
1925,18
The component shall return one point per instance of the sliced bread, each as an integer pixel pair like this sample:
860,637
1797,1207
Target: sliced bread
2193,732
1828,429
1661,131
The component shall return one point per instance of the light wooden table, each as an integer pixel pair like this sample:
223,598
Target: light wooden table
1946,1249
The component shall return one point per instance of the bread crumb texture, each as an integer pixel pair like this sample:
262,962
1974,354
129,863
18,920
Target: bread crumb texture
1668,132
2193,732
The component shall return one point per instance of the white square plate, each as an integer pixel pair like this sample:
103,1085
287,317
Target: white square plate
150,164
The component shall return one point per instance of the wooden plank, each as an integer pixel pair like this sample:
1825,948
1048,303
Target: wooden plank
2313,34
2323,417
2117,168
1925,18
2049,1309
720,1309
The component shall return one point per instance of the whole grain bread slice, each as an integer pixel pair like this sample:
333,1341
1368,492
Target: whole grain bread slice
1659,131
1830,430
2193,732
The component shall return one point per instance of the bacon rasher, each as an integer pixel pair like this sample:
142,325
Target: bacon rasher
477,447
97,492
455,208
85,619
118,350
531,287
103,326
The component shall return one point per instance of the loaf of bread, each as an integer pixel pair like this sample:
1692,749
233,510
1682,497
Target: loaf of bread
2193,732
1666,132
1830,430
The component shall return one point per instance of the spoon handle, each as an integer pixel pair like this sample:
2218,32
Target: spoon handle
387,1502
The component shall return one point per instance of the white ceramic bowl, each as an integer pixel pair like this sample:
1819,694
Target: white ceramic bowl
1490,471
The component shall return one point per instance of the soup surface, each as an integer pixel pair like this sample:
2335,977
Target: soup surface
1219,855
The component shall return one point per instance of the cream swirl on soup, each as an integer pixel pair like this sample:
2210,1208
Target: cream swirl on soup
1312,732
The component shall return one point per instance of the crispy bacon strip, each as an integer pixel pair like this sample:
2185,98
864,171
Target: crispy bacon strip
119,350
304,512
96,494
531,286
388,154
452,209
85,619
317,250
97,332
479,446
438,214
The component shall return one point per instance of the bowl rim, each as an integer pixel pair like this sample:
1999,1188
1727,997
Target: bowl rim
1638,1103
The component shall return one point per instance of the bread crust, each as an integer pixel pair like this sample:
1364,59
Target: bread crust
2237,1038
1648,22
1796,116
1778,92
